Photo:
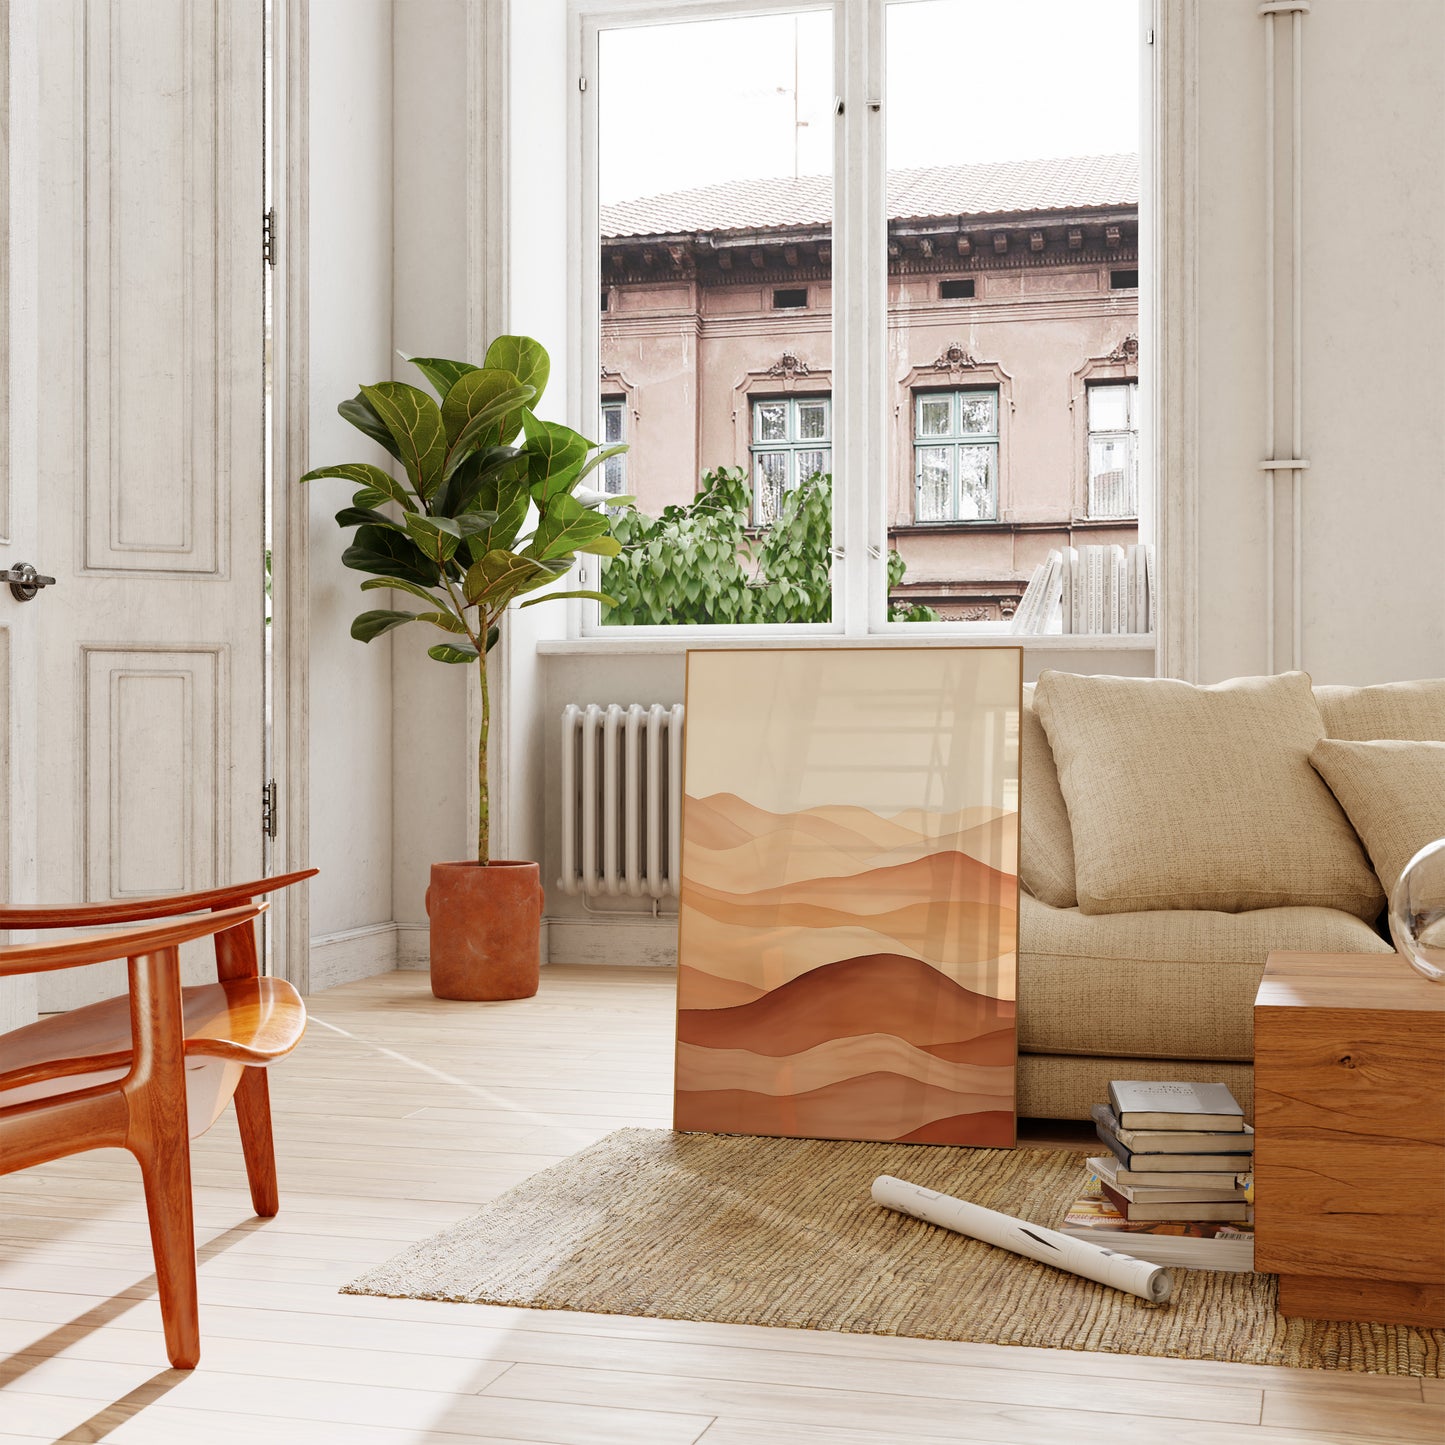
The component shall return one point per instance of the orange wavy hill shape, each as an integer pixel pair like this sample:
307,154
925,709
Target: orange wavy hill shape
966,934
706,990
872,1106
793,855
974,1070
878,993
944,879
763,958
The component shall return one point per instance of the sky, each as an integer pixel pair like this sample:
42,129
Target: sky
692,104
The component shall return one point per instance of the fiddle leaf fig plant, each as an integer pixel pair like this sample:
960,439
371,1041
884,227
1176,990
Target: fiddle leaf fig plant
492,509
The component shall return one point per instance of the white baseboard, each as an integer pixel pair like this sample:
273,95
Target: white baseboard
636,941
413,945
338,958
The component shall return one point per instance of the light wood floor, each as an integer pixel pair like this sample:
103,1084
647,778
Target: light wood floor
397,1116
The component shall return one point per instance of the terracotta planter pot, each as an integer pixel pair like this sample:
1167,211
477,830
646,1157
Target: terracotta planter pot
486,929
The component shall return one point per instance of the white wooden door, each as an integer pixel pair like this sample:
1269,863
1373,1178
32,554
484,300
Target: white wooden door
19,488
150,725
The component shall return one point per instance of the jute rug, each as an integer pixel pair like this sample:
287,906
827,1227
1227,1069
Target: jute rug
782,1232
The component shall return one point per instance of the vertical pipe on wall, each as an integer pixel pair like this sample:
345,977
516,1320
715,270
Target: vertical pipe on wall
1294,464
1269,356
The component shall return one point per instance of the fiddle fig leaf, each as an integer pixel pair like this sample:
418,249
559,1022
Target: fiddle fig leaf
486,428
453,652
365,516
400,584
415,423
490,481
370,477
370,625
601,597
555,455
525,358
500,576
389,553
359,412
476,394
447,621
442,374
567,526
494,634
436,536
604,546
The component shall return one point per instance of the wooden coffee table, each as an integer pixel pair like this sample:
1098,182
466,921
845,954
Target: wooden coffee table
1349,1173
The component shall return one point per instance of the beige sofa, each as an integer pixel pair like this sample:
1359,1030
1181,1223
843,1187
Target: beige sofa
1168,992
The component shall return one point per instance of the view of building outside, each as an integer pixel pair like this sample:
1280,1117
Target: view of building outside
1013,277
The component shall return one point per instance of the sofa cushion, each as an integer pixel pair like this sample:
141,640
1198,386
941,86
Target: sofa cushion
1394,793
1046,846
1413,710
1174,984
1200,797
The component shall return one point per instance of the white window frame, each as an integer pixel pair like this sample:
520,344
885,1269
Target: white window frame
792,446
953,441
860,417
1128,434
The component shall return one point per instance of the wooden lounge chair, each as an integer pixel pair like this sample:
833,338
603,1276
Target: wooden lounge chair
150,1070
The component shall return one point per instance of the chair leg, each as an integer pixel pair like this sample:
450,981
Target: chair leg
167,1178
253,1113
158,1136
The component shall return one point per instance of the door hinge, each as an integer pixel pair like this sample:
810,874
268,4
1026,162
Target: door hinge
270,810
1149,37
582,83
268,237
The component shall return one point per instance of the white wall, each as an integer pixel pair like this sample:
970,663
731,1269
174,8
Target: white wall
429,314
351,338
1373,375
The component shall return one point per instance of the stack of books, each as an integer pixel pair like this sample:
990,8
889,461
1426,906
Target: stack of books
1177,1177
1089,590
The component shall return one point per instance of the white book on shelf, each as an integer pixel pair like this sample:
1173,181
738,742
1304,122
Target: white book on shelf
1025,608
1094,589
1069,569
1149,588
1119,590
1049,616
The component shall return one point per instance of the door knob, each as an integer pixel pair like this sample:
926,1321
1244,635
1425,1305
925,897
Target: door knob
24,581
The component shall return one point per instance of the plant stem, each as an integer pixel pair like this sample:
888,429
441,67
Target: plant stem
484,840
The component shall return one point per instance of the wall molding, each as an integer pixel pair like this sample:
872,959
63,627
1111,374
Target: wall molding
353,954
648,942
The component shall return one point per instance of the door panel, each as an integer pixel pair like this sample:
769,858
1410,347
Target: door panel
152,463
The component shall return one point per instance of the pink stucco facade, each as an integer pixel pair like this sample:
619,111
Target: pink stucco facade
692,337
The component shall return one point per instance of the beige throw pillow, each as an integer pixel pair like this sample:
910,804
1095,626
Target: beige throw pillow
1389,710
1046,846
1200,797
1394,793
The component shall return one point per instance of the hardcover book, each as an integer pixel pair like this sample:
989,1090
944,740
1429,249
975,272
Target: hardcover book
1181,1211
1184,1104
1170,1141
1108,1168
1188,1245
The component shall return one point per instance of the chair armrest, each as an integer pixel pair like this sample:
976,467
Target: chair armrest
99,948
138,910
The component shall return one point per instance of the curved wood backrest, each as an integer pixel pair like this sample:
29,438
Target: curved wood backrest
138,910
100,948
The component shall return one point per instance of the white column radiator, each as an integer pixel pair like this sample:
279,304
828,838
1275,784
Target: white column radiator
622,800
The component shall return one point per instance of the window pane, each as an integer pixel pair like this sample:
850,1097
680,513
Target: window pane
812,420
770,482
1112,488
935,484
935,416
977,467
978,414
611,424
709,130
810,464
1033,196
614,476
1108,408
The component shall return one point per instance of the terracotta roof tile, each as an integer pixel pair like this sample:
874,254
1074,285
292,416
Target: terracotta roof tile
1063,183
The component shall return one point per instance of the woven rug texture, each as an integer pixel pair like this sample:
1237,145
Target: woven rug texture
782,1232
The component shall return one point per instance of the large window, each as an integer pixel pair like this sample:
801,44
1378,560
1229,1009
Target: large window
791,440
1113,450
955,449
963,374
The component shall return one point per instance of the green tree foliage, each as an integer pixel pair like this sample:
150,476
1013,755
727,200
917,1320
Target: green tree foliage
705,563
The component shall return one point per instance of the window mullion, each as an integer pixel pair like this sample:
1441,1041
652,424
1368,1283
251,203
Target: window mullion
859,318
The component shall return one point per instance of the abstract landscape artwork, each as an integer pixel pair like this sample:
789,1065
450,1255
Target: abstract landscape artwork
849,898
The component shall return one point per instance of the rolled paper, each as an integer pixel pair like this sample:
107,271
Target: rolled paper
1033,1241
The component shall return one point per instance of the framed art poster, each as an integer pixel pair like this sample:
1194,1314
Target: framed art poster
849,899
